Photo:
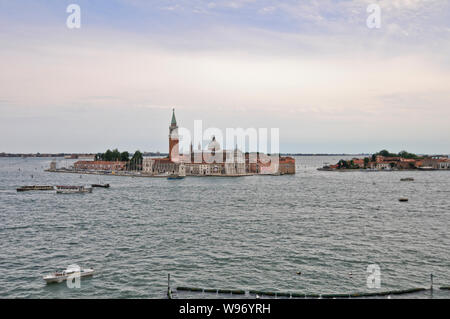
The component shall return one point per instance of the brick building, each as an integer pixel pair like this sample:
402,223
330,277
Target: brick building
100,165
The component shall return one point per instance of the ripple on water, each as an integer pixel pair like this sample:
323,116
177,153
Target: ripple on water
252,233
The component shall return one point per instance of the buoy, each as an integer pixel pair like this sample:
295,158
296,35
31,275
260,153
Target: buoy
299,273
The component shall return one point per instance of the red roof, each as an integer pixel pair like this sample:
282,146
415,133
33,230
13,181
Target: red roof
165,159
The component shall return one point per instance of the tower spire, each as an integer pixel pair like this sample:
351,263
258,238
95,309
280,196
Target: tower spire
174,120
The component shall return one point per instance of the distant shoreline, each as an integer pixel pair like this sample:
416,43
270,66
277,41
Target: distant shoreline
380,170
66,155
81,155
155,154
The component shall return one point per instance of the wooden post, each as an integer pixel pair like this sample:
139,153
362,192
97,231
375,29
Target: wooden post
169,292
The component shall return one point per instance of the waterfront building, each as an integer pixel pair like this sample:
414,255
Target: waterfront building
287,165
436,162
147,165
100,165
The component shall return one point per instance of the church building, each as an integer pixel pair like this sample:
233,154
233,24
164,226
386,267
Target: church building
213,162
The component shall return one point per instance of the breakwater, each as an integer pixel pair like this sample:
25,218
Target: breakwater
276,294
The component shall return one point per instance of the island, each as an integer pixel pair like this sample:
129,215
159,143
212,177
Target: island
386,161
213,161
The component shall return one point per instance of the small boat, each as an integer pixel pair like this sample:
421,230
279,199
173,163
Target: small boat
174,176
100,185
407,179
35,188
71,271
403,199
72,189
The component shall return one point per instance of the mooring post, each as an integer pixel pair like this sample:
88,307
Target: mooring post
169,293
431,279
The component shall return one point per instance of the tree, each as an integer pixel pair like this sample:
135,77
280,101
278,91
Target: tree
343,164
98,156
115,155
386,153
136,161
108,155
405,154
125,156
112,156
366,162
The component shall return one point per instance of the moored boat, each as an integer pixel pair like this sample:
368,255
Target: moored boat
71,271
100,185
35,188
174,176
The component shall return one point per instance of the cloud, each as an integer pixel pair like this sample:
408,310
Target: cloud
312,68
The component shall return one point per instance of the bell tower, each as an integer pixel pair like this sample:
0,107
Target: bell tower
173,139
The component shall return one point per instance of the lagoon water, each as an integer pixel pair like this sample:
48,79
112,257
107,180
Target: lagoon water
252,232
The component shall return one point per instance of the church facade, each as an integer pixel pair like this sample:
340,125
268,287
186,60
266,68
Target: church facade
212,162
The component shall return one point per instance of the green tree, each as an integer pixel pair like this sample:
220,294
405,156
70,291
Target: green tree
405,154
343,164
115,155
99,157
125,156
366,162
136,161
385,153
108,155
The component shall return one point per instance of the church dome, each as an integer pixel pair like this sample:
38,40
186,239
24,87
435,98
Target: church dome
214,145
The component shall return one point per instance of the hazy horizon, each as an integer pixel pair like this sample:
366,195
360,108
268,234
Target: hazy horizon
312,69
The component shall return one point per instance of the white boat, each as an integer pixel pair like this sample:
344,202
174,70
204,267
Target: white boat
73,270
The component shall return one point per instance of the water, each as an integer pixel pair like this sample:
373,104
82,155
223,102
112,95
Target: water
249,233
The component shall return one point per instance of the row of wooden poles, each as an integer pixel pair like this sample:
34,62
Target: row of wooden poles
297,295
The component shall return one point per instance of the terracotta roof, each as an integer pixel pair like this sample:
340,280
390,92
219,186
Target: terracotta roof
287,159
165,159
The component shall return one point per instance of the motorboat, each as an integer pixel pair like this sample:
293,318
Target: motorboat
174,176
71,272
100,185
73,189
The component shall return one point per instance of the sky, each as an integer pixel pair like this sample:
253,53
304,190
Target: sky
311,68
